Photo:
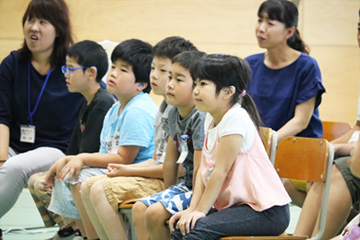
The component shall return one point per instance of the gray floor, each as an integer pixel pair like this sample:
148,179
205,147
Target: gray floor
24,222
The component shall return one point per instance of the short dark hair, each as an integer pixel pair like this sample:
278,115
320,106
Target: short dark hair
89,53
171,46
57,13
138,54
188,59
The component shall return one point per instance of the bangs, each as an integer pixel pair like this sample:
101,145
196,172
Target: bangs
203,69
41,9
188,59
274,10
212,68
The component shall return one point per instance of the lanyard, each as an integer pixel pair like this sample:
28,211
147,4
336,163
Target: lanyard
31,113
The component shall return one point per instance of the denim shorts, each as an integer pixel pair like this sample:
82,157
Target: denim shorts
175,199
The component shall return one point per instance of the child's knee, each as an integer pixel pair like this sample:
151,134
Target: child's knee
37,186
32,181
75,189
156,214
96,190
138,212
85,191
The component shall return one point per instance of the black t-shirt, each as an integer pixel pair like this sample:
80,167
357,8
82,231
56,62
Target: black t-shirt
86,134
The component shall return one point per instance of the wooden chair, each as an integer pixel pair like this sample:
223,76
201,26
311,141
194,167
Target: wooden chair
269,139
333,130
306,159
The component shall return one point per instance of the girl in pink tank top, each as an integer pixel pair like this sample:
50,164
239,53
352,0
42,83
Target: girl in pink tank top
237,191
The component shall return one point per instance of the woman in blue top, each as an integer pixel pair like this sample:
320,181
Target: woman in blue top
286,82
37,112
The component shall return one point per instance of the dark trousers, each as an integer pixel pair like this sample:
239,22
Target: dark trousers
239,220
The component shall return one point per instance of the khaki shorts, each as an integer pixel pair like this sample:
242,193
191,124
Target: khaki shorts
119,190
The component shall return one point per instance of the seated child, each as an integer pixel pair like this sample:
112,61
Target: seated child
186,137
235,175
352,230
102,195
86,64
344,187
127,133
344,190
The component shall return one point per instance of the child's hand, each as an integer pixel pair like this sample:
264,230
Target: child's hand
74,166
54,171
186,221
116,170
174,218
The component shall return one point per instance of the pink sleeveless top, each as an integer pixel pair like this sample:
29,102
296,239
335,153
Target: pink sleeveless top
251,180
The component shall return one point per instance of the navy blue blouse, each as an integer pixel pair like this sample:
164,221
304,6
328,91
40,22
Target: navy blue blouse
277,92
57,110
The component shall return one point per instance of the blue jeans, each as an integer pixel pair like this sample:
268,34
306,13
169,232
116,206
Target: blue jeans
240,220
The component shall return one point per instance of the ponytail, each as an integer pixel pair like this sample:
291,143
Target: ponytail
297,43
249,105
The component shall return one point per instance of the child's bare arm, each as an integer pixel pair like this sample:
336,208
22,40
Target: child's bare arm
170,167
228,150
355,160
151,171
4,142
125,155
346,136
342,147
196,162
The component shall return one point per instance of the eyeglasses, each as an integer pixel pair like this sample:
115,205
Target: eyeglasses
67,70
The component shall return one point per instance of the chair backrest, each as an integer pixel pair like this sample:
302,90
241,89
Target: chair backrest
302,158
269,139
308,159
333,130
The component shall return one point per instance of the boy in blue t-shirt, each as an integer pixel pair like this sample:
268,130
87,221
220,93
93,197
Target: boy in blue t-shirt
127,133
102,195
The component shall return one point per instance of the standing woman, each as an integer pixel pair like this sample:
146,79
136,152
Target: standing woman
37,112
286,82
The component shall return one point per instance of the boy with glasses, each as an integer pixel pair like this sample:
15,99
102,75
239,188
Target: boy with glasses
86,64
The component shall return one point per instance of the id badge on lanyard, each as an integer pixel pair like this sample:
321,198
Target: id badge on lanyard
28,132
183,149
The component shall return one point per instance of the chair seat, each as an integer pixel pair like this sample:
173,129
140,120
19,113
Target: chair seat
282,236
126,205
